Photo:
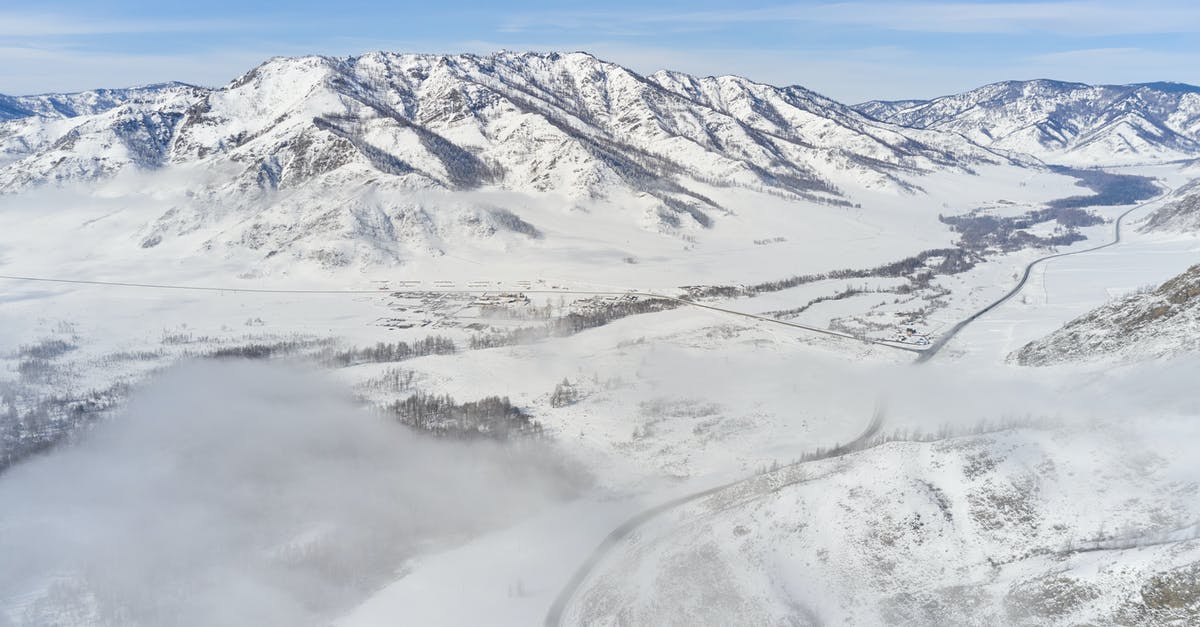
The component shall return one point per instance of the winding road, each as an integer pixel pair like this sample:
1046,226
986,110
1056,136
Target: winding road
941,342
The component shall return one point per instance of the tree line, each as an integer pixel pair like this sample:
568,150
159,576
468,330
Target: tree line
383,352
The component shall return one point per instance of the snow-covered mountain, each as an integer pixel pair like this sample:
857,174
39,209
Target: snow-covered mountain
80,103
1068,123
571,123
95,133
1163,321
298,147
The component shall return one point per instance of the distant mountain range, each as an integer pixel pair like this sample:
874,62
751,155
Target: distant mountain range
1064,123
569,123
306,149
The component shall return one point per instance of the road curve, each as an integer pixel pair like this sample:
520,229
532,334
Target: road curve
941,342
554,615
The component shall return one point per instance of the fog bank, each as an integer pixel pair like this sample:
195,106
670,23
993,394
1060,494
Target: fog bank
235,493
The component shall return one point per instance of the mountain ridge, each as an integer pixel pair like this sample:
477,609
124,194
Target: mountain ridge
324,141
1064,122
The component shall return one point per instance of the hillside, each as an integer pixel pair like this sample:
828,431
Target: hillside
1163,321
1016,527
1181,215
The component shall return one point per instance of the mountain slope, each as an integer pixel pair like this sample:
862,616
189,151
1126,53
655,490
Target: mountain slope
1181,215
1018,527
1164,321
1069,123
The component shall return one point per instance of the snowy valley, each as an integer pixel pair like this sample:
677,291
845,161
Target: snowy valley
543,340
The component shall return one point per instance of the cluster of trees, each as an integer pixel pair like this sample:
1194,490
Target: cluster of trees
255,347
1110,189
392,380
916,267
383,352
257,350
510,337
512,222
597,314
493,417
565,393
979,232
46,349
600,313
36,370
29,426
36,361
1066,216
172,338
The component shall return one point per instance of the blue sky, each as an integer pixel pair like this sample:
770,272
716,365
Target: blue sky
852,51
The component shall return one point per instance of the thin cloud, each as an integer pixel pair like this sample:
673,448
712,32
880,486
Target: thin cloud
1066,18
28,25
42,69
1117,65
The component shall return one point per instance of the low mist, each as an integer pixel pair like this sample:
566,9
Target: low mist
234,493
